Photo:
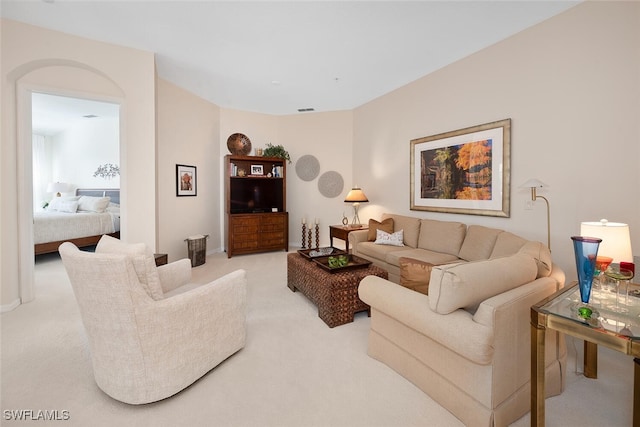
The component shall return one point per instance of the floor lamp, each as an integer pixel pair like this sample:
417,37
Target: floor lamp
534,184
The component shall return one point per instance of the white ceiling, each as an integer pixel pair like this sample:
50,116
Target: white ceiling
277,57
52,114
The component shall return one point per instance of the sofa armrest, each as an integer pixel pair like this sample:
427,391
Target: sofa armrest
492,311
509,316
357,236
174,274
558,275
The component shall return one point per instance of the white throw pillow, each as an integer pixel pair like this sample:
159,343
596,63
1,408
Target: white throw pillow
68,207
56,203
393,239
93,204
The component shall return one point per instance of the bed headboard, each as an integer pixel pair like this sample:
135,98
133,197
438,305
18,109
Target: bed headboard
113,193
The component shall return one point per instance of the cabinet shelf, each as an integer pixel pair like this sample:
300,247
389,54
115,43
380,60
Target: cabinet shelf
255,177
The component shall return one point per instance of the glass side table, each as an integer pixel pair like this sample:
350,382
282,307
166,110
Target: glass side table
608,326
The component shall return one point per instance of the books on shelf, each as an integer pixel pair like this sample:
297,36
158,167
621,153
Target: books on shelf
276,172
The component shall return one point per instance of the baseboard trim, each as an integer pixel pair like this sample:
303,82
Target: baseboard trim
9,307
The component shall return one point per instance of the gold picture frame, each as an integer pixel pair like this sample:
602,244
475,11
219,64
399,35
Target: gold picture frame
466,171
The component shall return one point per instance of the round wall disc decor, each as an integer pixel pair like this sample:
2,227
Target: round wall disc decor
307,167
238,144
330,184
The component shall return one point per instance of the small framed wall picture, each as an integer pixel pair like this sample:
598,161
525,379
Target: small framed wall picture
257,170
186,181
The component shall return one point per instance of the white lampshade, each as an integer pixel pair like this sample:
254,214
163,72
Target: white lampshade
616,241
533,183
57,187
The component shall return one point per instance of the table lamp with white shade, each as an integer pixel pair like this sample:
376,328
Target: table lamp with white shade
616,240
57,187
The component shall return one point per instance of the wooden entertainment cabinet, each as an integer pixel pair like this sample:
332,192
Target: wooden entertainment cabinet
256,218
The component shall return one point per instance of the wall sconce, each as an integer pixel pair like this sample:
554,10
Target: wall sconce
534,184
356,196
57,187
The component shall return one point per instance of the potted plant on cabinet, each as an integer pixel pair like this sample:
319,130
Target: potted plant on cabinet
276,151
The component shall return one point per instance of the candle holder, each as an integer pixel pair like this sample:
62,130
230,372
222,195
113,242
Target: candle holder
317,235
304,236
309,236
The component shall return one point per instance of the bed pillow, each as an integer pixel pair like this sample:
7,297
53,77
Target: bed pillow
393,239
386,226
93,204
68,207
113,208
57,202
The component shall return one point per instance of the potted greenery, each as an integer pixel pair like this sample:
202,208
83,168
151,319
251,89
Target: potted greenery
276,151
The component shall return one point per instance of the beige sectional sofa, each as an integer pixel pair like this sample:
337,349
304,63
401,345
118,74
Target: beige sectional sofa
465,341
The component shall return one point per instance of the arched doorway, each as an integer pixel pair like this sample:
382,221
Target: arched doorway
58,79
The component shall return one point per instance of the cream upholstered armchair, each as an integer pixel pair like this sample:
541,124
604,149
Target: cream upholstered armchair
148,340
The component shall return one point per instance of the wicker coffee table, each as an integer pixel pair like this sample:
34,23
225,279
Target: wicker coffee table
335,294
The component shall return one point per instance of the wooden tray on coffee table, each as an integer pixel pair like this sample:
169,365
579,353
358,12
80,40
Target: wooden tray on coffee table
313,253
354,263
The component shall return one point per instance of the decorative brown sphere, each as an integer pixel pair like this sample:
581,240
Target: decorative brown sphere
238,144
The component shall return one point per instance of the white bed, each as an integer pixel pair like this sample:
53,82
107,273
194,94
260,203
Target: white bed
82,219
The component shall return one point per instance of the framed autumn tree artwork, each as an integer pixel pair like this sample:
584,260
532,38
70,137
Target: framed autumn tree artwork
466,171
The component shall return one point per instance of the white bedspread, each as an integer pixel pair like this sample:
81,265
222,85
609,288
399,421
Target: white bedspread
56,226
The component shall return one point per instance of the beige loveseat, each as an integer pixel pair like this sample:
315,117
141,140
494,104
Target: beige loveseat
467,343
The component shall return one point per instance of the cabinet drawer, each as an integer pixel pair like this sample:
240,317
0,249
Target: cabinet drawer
245,228
245,225
272,239
274,220
269,228
244,245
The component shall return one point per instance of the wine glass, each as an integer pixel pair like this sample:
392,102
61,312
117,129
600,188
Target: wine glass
619,275
602,262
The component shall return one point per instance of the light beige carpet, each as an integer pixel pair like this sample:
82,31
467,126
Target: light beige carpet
294,370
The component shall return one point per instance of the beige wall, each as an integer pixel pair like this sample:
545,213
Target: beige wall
327,136
37,59
188,134
571,86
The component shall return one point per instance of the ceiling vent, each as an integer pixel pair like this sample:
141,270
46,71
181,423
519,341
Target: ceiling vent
305,110
90,116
